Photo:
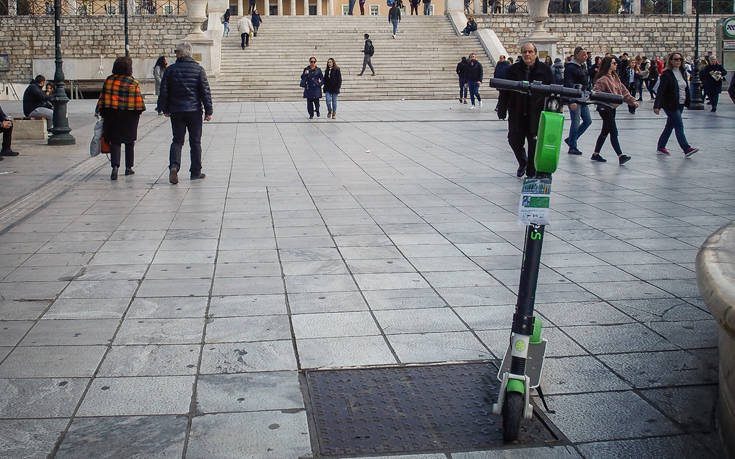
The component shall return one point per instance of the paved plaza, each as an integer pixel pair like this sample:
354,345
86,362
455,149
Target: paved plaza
139,318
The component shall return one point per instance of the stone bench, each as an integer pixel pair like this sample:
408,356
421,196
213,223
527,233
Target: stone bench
716,280
29,129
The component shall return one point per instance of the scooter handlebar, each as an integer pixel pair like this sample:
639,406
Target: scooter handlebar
566,94
597,96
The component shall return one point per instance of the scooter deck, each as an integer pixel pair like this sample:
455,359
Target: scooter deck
534,363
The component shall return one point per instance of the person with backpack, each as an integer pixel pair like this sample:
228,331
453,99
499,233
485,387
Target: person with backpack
226,23
367,52
557,71
462,74
394,17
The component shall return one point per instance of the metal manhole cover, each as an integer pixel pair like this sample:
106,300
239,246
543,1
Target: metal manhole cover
416,409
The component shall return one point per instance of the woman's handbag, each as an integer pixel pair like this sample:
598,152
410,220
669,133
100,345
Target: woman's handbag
95,146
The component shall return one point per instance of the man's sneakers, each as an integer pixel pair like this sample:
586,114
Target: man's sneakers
113,175
394,36
473,107
598,158
9,153
622,159
198,176
521,170
359,74
574,151
690,151
173,176
663,151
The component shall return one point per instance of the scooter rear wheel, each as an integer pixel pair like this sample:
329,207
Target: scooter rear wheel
512,415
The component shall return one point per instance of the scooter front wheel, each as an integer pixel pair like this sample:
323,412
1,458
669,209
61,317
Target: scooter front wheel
512,415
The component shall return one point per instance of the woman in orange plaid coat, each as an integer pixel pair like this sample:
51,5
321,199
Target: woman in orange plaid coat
120,105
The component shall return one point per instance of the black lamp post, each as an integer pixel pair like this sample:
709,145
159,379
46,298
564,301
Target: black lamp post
125,13
60,131
696,102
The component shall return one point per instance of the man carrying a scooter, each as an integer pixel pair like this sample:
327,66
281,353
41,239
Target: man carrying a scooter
524,111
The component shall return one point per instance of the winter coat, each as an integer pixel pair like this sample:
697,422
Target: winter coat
524,111
365,49
576,74
312,82
256,20
394,13
462,69
332,80
185,88
227,15
731,90
35,97
500,69
667,96
157,77
558,71
611,83
3,116
120,105
244,25
708,82
474,71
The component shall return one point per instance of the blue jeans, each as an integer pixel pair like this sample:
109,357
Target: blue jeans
575,130
395,25
674,123
352,7
474,91
427,9
226,32
180,123
462,88
331,101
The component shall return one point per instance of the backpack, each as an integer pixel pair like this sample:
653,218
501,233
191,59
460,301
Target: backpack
390,2
369,49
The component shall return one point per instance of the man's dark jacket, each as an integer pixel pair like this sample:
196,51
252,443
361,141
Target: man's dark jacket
184,88
667,96
35,97
473,71
3,116
709,84
524,111
500,69
575,74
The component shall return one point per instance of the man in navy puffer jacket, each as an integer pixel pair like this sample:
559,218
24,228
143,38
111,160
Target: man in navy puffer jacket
184,90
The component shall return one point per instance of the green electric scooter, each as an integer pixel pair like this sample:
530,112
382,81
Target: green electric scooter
523,362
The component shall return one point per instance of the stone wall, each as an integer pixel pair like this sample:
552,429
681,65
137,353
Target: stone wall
649,35
26,38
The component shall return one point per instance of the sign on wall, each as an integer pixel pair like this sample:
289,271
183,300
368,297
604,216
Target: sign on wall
728,27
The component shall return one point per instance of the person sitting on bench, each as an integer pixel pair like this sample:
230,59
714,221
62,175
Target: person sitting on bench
37,102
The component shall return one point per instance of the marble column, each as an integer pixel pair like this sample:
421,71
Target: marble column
584,6
12,7
330,7
293,7
318,7
306,7
636,5
240,12
280,7
477,7
267,7
687,6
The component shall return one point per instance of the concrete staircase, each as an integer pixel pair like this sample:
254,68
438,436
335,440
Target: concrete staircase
419,64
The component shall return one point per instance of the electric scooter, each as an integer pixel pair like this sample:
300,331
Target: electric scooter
523,362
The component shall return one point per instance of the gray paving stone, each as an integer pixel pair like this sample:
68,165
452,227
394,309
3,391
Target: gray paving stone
248,256
477,296
249,392
58,259
601,339
660,369
562,314
390,281
520,453
419,321
43,274
320,283
658,271
247,269
256,328
692,407
303,303
174,287
247,286
22,310
578,374
160,331
336,324
315,254
438,347
403,299
133,436
87,308
52,361
263,434
31,291
154,360
122,258
680,446
111,272
247,305
628,290
30,438
344,352
688,334
661,309
40,398
138,396
370,253
167,307
429,264
615,424
248,357
683,288
487,317
77,332
298,268
180,271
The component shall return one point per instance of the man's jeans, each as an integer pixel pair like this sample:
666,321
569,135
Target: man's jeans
674,123
395,25
575,130
43,112
427,9
331,101
352,7
474,91
366,61
226,32
180,123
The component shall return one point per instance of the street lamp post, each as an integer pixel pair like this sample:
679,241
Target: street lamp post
60,131
696,102
125,12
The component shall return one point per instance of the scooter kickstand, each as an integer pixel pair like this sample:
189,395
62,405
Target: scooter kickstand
543,400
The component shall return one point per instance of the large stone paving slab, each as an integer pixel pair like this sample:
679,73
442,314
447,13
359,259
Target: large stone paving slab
141,318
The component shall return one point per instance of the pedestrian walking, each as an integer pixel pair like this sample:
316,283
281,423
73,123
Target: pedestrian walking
414,7
474,80
351,7
557,71
501,67
462,75
427,7
312,80
245,26
37,102
120,105
362,7
577,75
251,7
653,74
644,72
332,85
6,127
184,92
673,96
158,70
367,51
609,81
712,77
255,20
226,23
394,17
524,111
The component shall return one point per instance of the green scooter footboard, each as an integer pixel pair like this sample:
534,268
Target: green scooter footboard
548,141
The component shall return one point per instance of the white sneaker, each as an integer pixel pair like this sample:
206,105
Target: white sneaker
394,36
472,107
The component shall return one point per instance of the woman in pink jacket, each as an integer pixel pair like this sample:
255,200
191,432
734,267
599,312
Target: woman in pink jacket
607,80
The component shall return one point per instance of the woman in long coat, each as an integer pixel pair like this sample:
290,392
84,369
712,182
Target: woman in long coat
158,70
312,80
120,105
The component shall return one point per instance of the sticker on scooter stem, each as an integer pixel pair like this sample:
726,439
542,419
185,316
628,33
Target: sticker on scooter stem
533,208
520,345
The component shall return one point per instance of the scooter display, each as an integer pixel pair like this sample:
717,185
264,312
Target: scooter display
523,362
